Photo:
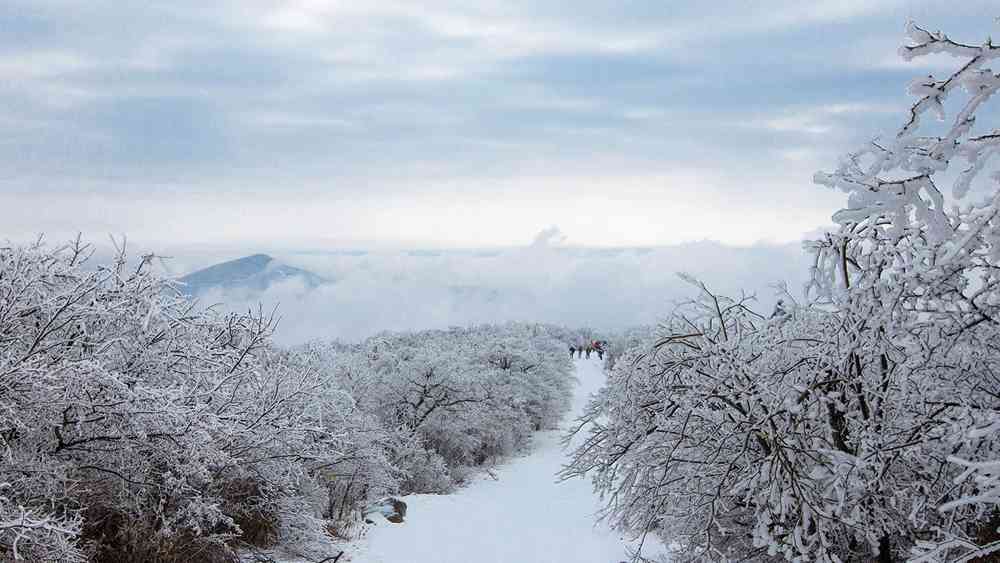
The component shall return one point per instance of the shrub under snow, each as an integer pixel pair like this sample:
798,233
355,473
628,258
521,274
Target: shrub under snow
457,398
861,425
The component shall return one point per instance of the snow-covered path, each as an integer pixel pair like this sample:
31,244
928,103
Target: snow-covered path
525,516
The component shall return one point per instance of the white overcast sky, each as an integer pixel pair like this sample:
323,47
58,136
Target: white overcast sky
447,123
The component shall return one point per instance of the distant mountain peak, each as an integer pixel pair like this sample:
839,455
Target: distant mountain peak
256,272
261,258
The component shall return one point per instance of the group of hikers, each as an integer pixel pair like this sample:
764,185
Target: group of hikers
589,348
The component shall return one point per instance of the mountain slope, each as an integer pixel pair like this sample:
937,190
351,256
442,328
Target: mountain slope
250,273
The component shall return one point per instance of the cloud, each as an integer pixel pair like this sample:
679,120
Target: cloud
601,288
822,119
547,237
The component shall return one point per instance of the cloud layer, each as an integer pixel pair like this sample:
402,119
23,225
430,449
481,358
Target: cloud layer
600,288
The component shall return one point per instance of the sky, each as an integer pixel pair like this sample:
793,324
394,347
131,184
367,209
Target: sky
444,124
451,162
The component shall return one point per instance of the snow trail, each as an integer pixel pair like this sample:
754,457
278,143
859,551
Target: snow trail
525,516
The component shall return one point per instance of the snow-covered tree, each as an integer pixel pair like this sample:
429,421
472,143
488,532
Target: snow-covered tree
135,425
857,426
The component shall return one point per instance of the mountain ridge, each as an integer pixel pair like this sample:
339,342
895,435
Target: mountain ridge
255,272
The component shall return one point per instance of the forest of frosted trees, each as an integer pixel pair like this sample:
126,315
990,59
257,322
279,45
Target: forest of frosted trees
136,425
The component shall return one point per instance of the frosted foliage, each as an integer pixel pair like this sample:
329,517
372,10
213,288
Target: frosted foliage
136,425
456,398
859,425
898,221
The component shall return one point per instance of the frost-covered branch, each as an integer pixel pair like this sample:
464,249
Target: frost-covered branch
859,425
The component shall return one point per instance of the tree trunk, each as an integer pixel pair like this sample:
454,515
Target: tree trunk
885,550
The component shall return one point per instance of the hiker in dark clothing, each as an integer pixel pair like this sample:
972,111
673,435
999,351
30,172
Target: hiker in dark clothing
572,350
588,352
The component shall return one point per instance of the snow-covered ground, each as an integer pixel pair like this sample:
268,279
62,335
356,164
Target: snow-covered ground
525,516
